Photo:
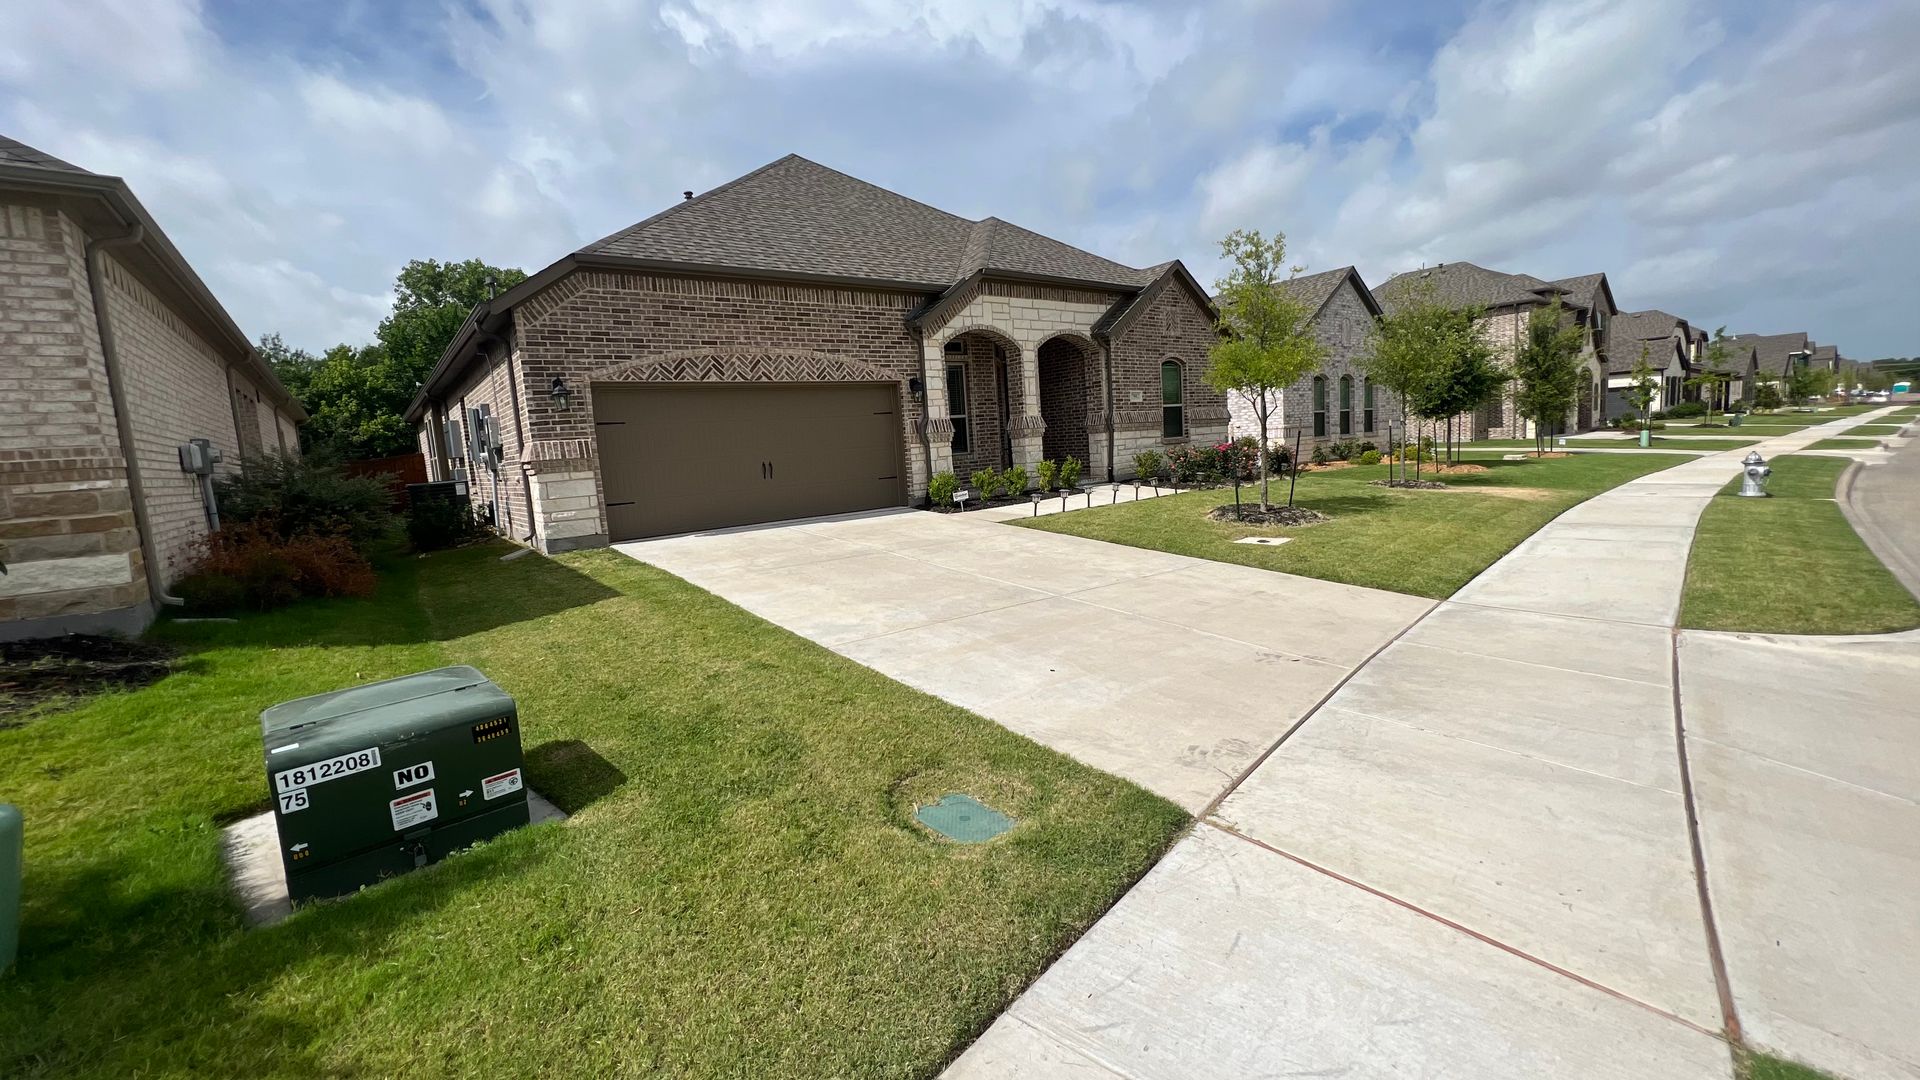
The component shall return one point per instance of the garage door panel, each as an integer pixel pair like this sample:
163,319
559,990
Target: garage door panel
680,459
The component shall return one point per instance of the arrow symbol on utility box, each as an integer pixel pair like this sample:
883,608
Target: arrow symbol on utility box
298,847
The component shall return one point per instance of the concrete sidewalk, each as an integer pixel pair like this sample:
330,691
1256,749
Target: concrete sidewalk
1473,859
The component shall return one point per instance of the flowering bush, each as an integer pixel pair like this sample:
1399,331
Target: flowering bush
251,566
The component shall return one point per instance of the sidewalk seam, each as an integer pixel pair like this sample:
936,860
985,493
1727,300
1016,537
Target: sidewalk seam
1716,957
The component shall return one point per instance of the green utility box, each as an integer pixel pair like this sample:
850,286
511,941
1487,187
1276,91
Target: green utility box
377,780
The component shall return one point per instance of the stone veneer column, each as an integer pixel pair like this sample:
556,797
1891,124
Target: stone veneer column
567,508
933,452
1024,423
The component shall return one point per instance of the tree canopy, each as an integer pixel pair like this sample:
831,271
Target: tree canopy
1267,341
355,395
1548,369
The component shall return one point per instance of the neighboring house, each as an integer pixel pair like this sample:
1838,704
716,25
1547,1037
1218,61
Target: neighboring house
798,342
1666,342
113,355
1338,401
1776,354
1509,301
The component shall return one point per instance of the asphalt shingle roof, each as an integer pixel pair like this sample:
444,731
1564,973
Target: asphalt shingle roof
14,152
1462,284
798,216
1774,350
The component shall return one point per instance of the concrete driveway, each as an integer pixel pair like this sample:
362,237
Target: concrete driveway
1175,673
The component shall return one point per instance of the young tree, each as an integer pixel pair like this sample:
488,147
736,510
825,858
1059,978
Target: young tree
1714,374
1267,341
1644,386
1548,370
1767,397
1463,375
430,301
1403,350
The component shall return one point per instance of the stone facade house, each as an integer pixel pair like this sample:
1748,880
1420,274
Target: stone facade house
797,342
1508,302
1338,401
113,355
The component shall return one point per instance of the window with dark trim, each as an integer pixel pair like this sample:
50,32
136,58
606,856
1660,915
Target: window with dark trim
1319,406
957,407
1173,412
1366,405
1346,404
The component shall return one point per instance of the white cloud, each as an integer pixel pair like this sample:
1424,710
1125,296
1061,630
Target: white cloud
1737,164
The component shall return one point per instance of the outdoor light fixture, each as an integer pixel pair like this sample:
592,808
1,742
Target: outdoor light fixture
917,389
561,394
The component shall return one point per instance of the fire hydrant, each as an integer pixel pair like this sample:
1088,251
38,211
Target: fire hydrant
1753,483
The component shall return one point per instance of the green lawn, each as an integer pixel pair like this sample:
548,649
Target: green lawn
1844,443
1790,564
1876,429
1428,543
1767,1067
741,891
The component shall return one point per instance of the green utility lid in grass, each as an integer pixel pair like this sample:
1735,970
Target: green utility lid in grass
963,818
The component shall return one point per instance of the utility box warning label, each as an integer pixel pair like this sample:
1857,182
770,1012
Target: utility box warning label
505,783
415,809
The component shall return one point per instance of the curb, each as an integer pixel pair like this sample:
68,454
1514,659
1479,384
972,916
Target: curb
1890,556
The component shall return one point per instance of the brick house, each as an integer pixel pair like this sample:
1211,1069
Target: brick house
1508,302
1338,401
798,342
113,354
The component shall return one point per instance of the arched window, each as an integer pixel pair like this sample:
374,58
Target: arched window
1173,414
1366,405
1346,404
1319,406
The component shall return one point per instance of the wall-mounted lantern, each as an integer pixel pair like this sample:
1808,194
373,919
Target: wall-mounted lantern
916,389
560,392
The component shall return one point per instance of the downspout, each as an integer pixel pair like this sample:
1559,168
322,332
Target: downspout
122,418
926,442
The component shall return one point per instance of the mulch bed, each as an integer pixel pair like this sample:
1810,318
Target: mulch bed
1424,485
1459,470
50,670
1251,514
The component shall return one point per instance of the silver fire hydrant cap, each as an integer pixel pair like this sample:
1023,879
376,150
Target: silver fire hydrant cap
1753,458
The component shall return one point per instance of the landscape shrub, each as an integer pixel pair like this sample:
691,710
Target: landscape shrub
941,488
435,524
289,497
1147,464
1049,472
1370,457
1369,445
1014,481
1320,456
251,566
985,483
1279,458
1767,397
1685,410
1070,472
1240,459
1343,449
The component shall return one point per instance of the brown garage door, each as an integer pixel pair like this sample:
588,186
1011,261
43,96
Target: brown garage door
681,458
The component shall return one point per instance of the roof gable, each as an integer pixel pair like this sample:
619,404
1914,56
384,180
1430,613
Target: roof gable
1461,284
15,152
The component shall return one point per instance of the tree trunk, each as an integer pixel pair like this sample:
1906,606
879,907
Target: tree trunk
1266,465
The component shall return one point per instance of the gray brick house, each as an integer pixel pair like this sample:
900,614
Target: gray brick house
1667,343
1338,401
113,354
799,342
1509,301
1775,355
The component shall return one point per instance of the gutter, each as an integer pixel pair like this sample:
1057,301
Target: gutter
122,418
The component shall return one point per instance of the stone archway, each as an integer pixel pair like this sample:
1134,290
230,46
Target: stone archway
1583,420
1069,380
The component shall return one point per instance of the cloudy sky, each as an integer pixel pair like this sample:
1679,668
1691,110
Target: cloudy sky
1748,162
